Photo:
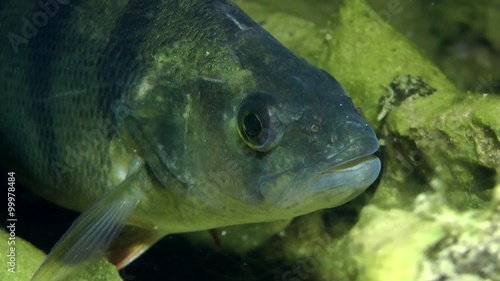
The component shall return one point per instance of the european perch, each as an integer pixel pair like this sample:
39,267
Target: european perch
126,111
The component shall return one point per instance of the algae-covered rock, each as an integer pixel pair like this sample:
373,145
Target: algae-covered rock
433,242
440,135
391,244
470,249
22,260
462,37
101,271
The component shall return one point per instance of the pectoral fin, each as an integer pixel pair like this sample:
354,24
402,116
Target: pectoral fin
92,233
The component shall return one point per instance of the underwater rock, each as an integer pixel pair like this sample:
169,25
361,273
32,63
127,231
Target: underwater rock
401,88
464,42
20,259
449,140
28,259
470,249
391,244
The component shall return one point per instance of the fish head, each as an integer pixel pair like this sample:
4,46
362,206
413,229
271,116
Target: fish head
315,150
246,126
312,148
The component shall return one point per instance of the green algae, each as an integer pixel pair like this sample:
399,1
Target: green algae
391,244
28,259
368,54
464,42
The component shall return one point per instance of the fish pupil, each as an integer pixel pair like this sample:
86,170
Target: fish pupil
252,126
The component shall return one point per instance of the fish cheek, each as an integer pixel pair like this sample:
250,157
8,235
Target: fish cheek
179,146
225,169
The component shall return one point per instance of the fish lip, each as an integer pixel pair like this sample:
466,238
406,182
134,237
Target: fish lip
325,184
334,180
349,164
369,165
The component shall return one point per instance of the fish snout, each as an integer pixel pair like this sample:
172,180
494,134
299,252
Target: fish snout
350,137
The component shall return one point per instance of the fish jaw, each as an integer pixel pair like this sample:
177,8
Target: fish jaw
344,181
332,182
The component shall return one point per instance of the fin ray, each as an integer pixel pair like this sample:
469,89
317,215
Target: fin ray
91,234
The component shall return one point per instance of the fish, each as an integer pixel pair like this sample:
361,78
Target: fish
157,117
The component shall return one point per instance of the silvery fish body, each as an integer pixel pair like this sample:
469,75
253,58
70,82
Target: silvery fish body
159,116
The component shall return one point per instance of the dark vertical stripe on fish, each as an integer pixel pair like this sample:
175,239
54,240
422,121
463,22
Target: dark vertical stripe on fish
42,51
120,67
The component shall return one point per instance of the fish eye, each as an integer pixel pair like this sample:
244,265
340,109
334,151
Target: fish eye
252,126
258,127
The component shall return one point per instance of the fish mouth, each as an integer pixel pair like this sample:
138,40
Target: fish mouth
340,175
324,185
350,164
350,177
